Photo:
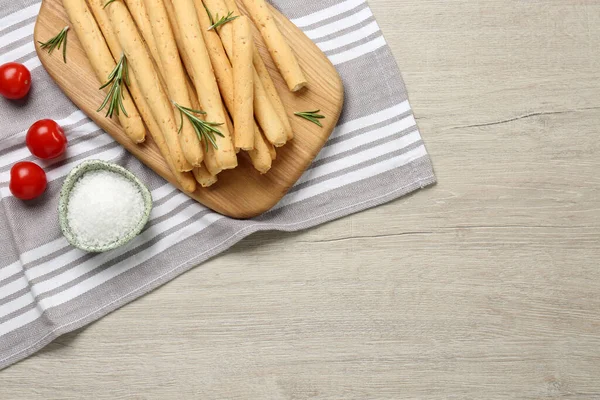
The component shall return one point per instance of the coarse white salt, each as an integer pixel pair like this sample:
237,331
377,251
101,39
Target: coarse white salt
104,207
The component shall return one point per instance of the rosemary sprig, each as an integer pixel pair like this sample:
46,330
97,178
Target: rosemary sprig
220,21
107,3
115,95
56,42
206,131
311,116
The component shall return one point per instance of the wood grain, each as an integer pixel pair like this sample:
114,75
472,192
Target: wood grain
486,286
260,192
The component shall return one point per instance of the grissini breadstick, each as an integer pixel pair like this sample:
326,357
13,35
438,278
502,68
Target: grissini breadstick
97,7
280,50
203,177
263,109
178,40
186,61
193,96
204,79
266,116
243,82
147,78
272,150
185,179
260,155
218,8
103,63
175,78
228,122
210,162
266,80
220,63
138,11
218,57
196,106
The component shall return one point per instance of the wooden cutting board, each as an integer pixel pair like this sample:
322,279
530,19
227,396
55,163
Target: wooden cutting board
240,193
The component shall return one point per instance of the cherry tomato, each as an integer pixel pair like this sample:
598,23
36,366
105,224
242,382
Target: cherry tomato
27,180
46,139
15,80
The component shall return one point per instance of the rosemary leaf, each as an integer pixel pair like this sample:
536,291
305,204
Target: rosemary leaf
312,116
115,95
206,131
210,17
56,42
222,21
107,3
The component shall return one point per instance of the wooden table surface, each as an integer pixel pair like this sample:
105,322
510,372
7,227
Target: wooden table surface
485,286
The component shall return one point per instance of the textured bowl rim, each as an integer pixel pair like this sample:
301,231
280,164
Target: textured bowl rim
73,177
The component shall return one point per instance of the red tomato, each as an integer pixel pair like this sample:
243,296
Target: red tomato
46,139
27,180
15,80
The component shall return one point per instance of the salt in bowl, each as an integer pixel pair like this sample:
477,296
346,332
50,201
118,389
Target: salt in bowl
65,194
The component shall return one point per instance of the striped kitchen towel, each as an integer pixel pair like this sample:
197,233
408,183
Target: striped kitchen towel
48,288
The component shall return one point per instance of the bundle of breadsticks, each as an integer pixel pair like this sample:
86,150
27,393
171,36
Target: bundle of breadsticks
191,75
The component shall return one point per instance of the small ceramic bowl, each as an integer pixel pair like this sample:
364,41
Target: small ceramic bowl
65,192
